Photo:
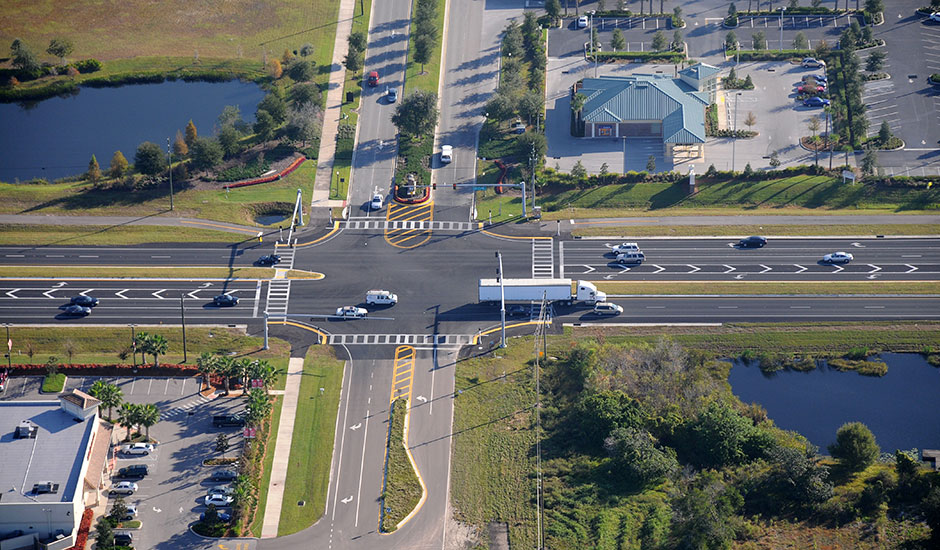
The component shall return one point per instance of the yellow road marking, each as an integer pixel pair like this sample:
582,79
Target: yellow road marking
511,236
411,237
404,366
315,241
298,325
476,339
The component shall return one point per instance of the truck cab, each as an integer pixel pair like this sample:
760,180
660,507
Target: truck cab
588,293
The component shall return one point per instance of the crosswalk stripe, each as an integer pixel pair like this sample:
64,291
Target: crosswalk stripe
400,339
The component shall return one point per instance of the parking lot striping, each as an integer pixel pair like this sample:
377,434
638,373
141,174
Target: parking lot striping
403,373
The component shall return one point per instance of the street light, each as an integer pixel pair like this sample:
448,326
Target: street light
9,347
133,344
169,162
782,9
734,129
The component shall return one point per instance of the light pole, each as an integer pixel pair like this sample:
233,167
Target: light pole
133,344
183,320
593,53
734,129
782,9
502,301
9,347
169,163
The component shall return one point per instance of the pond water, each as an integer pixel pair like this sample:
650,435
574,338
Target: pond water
269,219
56,137
899,408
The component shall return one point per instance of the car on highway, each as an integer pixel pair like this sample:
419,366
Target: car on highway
351,312
219,500
391,94
754,241
86,301
607,308
378,201
583,22
225,300
630,258
817,77
624,248
381,297
447,154
812,88
812,63
269,259
124,488
815,101
133,471
137,449
373,79
223,475
838,258
221,514
76,310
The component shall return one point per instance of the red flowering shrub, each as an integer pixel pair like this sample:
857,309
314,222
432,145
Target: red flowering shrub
81,538
119,369
274,177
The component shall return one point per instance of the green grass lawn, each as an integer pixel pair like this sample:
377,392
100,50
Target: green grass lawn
53,383
655,228
428,80
311,449
95,235
402,487
258,521
792,195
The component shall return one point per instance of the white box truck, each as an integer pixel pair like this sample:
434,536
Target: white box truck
533,290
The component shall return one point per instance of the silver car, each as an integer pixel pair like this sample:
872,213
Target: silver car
838,258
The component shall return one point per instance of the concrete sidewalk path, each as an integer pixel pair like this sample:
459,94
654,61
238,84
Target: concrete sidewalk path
155,219
862,219
333,112
285,432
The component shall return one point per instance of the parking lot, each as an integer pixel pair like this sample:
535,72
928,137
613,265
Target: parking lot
170,498
638,33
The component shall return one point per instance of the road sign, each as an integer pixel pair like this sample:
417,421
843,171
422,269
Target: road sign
256,383
249,432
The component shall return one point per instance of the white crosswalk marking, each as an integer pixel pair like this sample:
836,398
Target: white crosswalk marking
287,257
278,294
382,225
412,339
543,258
183,409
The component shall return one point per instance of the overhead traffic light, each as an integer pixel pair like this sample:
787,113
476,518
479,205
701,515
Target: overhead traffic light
455,186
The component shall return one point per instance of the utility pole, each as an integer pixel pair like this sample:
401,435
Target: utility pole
134,344
734,129
782,9
502,300
532,159
266,330
169,162
183,319
540,338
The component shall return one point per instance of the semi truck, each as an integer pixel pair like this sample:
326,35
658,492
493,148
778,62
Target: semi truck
533,290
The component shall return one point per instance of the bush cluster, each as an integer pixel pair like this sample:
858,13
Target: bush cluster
740,134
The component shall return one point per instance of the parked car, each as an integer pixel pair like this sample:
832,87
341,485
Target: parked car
373,79
838,258
817,77
221,490
517,310
123,538
135,470
935,17
137,449
378,201
753,241
815,101
228,420
583,22
131,513
607,308
124,488
222,515
86,301
219,500
518,128
447,154
812,88
812,63
269,259
78,311
225,300
391,94
223,475
351,312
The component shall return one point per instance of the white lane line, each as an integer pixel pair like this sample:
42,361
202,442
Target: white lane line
799,307
88,256
362,463
874,307
257,299
15,255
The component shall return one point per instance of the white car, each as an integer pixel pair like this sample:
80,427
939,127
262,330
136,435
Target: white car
935,17
219,500
625,248
838,258
124,488
607,308
378,201
582,22
351,311
137,449
447,154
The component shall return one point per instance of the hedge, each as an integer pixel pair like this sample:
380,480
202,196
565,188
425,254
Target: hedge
81,538
267,179
770,55
642,57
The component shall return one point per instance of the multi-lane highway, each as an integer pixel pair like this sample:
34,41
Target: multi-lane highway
236,255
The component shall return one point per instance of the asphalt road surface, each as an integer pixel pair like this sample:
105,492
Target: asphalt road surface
177,255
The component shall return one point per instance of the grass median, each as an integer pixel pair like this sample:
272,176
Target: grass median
108,235
141,272
402,487
257,521
834,230
311,451
789,288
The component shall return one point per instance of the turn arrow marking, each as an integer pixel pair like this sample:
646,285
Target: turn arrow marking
802,269
356,427
590,269
158,293
659,268
766,269
874,276
121,294
912,270
694,268
730,268
422,399
48,292
838,268
204,285
157,510
739,276
858,245
10,294
874,268
60,285
347,500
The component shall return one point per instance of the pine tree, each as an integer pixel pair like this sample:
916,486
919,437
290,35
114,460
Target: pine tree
180,147
191,133
118,165
94,171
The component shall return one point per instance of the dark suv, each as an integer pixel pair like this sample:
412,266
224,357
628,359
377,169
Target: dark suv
752,242
136,470
228,420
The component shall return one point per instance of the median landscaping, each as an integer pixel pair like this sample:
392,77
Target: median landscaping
402,487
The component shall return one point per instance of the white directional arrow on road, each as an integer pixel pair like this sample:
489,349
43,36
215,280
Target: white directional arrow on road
204,285
739,276
874,276
730,268
590,269
356,427
838,268
623,269
85,292
766,268
48,292
195,297
347,500
911,270
158,293
422,399
802,269
874,268
157,510
181,509
694,268
61,284
10,293
858,245
121,294
659,268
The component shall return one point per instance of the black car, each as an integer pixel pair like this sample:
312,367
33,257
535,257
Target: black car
752,242
228,420
77,310
224,475
517,310
86,301
269,259
223,300
136,470
123,539
221,514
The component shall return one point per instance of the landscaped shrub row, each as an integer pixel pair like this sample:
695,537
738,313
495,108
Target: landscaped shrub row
116,369
644,57
267,179
767,55
81,538
740,134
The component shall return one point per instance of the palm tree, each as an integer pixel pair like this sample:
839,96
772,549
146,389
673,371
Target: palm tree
207,364
228,368
814,125
158,346
262,370
127,418
259,406
149,415
245,368
109,394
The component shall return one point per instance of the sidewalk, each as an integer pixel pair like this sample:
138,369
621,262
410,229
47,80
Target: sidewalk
333,112
861,219
285,431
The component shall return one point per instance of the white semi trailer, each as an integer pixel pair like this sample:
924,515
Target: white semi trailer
533,290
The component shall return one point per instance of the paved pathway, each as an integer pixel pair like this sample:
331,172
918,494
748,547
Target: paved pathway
155,219
285,431
334,103
863,219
